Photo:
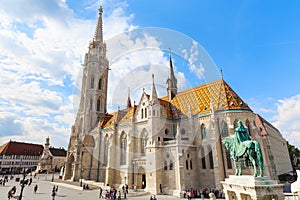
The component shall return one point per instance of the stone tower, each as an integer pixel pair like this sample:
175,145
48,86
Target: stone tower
94,82
93,99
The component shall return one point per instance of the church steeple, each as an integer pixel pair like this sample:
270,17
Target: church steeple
128,100
99,28
153,97
171,81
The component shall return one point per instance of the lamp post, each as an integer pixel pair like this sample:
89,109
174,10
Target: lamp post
125,179
81,170
22,184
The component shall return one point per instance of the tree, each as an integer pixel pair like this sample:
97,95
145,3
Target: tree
293,151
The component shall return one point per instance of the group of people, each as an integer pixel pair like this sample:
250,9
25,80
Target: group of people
153,197
203,193
114,194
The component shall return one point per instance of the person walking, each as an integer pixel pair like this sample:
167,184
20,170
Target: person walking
53,193
35,189
100,192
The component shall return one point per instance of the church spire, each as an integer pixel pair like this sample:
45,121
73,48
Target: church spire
153,97
172,81
99,28
128,100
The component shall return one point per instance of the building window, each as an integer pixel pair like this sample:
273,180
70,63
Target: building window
171,165
224,129
92,82
142,113
228,159
145,112
203,131
123,146
165,165
203,158
91,103
153,112
187,165
235,123
98,104
210,156
143,145
100,84
248,126
191,164
166,131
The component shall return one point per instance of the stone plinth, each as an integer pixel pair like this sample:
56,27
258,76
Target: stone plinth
254,188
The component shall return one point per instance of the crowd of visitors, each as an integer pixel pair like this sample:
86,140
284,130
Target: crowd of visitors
203,193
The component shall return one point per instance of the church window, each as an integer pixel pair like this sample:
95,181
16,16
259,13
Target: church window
210,157
166,131
248,126
153,112
142,113
92,82
235,123
143,145
98,104
123,146
165,165
191,164
203,158
187,165
145,112
228,159
203,131
171,165
224,129
158,139
91,103
100,84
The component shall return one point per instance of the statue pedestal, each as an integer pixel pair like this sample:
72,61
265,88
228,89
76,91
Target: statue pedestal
254,188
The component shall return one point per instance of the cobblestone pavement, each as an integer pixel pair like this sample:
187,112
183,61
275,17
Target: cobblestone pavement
65,191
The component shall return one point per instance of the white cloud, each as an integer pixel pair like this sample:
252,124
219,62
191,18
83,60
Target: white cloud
288,119
42,45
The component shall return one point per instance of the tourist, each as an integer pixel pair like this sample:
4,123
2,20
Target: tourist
100,192
35,189
53,194
9,194
154,197
151,198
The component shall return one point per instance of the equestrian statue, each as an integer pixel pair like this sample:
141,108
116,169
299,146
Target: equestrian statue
243,149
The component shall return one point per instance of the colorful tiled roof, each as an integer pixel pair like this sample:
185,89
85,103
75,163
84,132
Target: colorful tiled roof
21,148
193,101
198,100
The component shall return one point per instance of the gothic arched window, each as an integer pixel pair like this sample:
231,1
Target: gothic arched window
143,144
228,159
203,158
210,157
123,147
98,104
248,126
224,129
171,165
92,82
100,84
91,103
203,131
145,112
142,113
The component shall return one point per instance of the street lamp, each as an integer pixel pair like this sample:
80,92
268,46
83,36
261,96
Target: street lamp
81,170
125,179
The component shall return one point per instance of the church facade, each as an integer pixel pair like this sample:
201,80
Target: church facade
162,144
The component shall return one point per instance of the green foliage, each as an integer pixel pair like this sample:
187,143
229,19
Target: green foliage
293,151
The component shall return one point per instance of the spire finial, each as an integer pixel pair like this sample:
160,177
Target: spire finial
170,53
222,76
100,10
99,29
153,77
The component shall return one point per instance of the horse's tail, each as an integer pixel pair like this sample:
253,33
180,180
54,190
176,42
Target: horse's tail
259,155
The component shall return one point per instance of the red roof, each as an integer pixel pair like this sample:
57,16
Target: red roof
21,148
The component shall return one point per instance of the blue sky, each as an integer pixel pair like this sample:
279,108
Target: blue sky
42,44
